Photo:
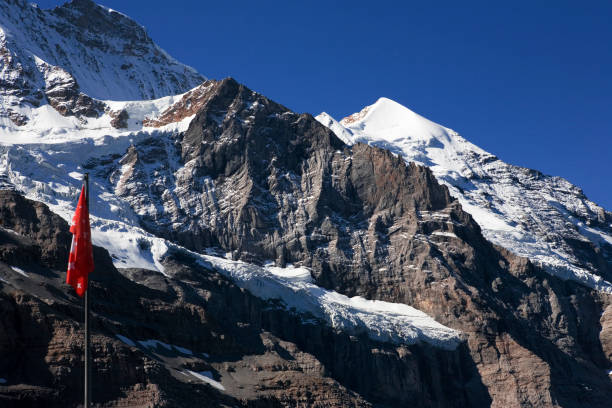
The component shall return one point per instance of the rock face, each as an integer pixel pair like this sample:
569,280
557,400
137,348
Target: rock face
32,221
153,335
189,104
120,118
255,179
63,94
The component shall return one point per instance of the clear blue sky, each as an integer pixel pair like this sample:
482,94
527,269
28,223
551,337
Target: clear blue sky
530,81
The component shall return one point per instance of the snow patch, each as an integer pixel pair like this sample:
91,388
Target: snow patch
291,273
154,344
207,377
76,175
339,130
47,126
444,234
381,321
19,271
183,350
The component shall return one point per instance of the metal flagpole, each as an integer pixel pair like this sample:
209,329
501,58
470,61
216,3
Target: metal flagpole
87,356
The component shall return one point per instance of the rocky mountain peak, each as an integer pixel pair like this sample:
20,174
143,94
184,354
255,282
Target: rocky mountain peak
252,180
233,119
102,53
99,27
544,218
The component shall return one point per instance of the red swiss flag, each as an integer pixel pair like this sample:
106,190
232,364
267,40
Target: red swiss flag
80,261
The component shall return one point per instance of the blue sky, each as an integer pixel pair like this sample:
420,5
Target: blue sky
528,81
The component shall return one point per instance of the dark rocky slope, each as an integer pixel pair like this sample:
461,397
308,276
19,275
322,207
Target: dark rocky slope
263,355
254,178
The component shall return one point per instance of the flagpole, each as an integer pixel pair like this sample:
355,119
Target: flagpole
87,356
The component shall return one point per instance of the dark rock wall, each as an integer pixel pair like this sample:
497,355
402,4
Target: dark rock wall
289,361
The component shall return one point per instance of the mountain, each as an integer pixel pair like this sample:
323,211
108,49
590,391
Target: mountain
247,256
544,218
74,55
221,179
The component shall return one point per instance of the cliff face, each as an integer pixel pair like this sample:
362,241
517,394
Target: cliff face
151,333
255,179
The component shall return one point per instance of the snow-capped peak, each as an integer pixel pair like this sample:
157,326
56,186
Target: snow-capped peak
108,54
544,218
386,114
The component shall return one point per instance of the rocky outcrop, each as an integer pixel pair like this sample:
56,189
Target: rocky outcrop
17,118
22,219
119,119
189,104
63,94
17,79
253,178
606,331
153,334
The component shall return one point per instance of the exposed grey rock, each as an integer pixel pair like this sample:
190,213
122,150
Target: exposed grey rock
17,118
63,94
263,356
119,120
253,178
